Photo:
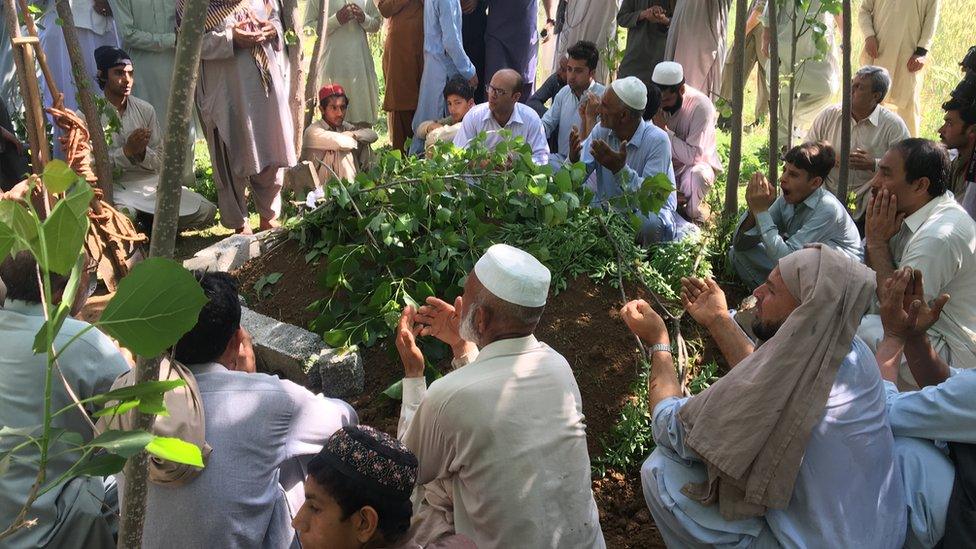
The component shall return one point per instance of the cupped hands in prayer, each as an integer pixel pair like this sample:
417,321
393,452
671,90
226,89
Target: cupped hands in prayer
704,300
882,219
905,314
406,344
760,195
253,32
613,160
644,322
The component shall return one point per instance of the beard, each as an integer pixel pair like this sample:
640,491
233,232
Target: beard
467,329
765,330
676,107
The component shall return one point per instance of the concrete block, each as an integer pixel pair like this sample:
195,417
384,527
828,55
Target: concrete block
301,356
228,254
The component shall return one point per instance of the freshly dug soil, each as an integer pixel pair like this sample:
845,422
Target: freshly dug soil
582,323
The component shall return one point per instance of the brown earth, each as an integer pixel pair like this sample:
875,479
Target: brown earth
582,323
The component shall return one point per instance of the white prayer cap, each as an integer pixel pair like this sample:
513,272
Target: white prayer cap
668,73
631,91
513,275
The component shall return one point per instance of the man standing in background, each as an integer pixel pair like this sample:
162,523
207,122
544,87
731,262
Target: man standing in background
511,38
696,41
647,23
590,21
403,65
897,36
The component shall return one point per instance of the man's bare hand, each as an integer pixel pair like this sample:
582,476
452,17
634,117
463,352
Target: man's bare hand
245,354
915,63
102,8
468,6
704,300
357,12
406,344
440,319
644,322
473,81
904,312
882,219
861,160
245,38
613,160
760,195
659,119
575,145
136,143
871,46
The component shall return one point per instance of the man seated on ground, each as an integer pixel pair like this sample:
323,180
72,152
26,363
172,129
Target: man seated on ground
912,221
689,118
500,440
933,426
357,494
504,112
336,148
548,90
136,148
80,511
874,129
459,96
260,427
564,114
774,227
792,446
958,132
623,150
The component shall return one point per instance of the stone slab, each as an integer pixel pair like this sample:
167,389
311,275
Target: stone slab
228,254
301,356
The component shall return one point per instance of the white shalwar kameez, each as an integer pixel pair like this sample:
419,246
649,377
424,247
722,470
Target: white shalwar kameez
696,40
591,20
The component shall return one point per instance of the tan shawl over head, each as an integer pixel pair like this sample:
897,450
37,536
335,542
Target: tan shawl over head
752,426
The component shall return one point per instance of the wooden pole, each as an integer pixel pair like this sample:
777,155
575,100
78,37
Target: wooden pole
738,85
773,158
296,57
86,100
311,90
29,88
845,129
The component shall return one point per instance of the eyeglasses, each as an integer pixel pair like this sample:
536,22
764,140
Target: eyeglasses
492,90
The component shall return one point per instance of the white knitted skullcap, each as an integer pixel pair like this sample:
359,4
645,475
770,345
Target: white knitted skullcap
513,275
668,73
631,91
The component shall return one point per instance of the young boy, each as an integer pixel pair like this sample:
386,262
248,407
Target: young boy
806,212
460,98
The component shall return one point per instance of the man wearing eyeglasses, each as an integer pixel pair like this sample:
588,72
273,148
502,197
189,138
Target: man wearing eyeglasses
504,112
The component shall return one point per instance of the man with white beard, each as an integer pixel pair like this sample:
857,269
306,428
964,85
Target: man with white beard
501,440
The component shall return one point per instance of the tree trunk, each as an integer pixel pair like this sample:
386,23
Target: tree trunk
738,85
791,110
103,169
313,67
29,89
175,146
773,157
845,129
296,97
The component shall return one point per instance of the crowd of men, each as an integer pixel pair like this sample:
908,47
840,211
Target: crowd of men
844,418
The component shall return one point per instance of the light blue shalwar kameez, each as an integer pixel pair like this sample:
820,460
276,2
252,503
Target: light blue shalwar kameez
847,491
444,58
648,154
921,421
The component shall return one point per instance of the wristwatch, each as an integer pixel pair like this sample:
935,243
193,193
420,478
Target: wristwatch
661,347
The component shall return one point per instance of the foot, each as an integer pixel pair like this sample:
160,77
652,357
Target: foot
268,224
246,229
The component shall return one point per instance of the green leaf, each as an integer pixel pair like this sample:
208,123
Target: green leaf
564,181
123,443
58,176
101,465
7,240
336,338
155,305
117,410
24,226
174,449
139,390
65,230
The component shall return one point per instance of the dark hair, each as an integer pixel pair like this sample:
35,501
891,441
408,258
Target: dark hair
817,159
963,99
925,158
460,87
324,102
585,51
19,274
653,101
394,514
215,326
879,77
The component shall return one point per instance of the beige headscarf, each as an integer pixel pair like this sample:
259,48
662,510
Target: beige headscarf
752,426
185,421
